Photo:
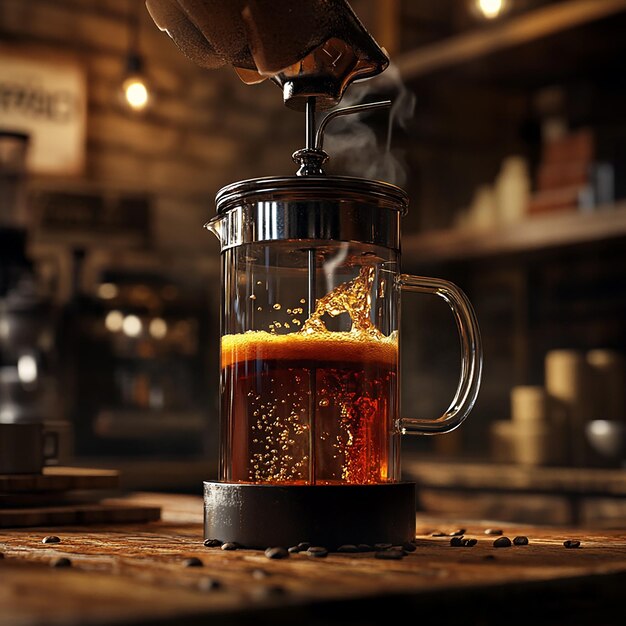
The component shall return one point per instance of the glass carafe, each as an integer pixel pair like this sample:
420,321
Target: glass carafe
310,341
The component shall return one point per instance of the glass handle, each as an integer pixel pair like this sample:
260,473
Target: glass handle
471,355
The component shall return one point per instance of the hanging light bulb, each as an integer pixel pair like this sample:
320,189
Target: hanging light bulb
135,86
490,9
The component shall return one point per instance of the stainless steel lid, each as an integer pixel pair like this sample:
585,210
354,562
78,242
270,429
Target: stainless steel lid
297,208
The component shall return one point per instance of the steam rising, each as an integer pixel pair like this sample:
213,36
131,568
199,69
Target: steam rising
353,146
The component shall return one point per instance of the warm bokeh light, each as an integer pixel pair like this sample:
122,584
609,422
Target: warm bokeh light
132,326
113,321
158,328
490,8
27,369
106,291
136,93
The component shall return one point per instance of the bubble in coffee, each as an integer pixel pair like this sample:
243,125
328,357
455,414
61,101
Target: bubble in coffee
312,406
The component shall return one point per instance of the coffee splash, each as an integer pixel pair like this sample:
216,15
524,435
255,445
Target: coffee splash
363,342
353,298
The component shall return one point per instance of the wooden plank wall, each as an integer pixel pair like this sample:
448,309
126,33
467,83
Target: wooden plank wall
206,127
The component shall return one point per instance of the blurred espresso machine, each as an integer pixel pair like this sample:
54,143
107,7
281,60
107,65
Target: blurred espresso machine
32,433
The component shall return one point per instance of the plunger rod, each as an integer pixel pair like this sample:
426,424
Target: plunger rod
310,123
312,297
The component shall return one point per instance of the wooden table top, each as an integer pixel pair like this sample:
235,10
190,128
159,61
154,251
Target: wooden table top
135,574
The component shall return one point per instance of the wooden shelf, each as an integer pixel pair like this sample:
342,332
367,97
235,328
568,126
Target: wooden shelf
503,478
508,35
530,235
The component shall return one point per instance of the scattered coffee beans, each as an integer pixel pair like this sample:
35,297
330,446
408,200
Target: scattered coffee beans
571,543
293,550
365,547
51,539
493,531
276,553
409,547
502,542
209,584
349,548
62,561
470,542
303,546
317,551
456,541
230,545
457,533
438,534
192,561
213,543
382,546
520,541
389,555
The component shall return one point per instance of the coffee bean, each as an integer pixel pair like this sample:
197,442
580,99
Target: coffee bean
571,543
51,539
502,542
270,591
457,533
390,555
192,561
409,546
456,541
317,551
520,541
365,547
303,546
382,546
276,553
260,574
230,545
438,534
293,550
470,542
61,562
209,584
213,543
348,547
493,531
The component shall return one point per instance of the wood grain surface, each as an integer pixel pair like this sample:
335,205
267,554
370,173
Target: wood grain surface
136,573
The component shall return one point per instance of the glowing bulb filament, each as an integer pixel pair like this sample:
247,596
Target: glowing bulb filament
490,8
136,93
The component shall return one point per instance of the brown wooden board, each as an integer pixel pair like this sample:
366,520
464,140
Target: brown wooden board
104,512
136,573
52,498
60,479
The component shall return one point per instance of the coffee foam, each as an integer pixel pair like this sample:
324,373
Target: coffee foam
326,347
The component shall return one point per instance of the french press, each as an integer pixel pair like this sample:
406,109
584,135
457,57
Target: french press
310,313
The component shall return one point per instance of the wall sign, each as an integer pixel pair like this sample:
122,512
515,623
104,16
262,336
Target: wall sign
46,98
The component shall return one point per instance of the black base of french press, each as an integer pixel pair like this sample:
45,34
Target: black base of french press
259,516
